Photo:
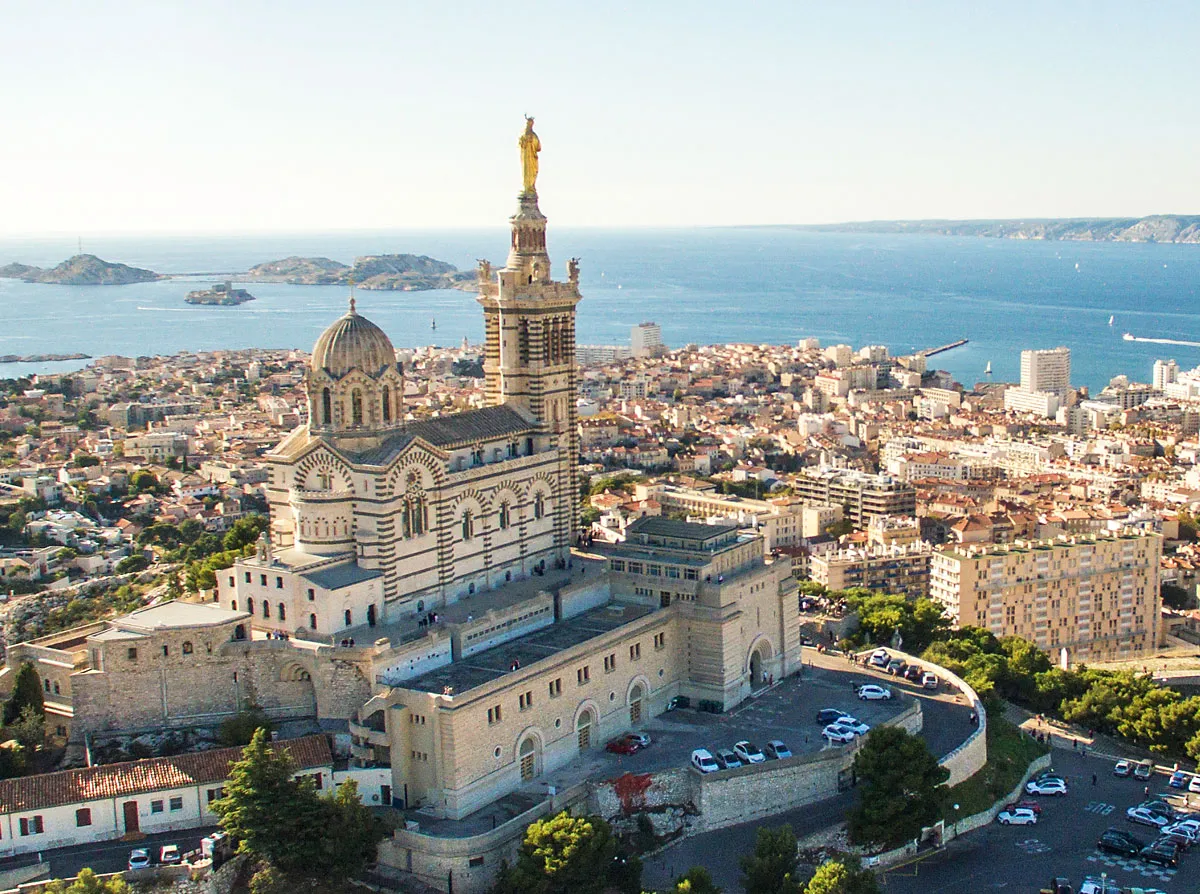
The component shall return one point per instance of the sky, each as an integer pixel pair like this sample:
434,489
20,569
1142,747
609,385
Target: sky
136,117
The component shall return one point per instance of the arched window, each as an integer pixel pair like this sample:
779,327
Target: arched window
187,648
356,411
282,612
266,609
326,407
503,516
348,617
312,622
250,604
387,404
539,506
233,605
468,525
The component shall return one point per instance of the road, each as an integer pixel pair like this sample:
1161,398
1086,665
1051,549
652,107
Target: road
107,856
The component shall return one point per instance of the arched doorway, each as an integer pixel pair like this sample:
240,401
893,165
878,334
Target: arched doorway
760,654
583,729
527,754
635,704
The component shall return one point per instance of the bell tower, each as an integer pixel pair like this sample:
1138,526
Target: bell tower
529,321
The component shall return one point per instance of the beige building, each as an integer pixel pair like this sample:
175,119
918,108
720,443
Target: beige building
687,610
899,569
1090,597
862,494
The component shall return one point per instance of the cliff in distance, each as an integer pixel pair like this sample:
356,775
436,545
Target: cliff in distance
81,270
406,273
1156,228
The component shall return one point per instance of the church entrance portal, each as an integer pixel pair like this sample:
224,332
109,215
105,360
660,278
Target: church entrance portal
584,730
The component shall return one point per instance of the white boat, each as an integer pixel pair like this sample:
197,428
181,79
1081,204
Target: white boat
988,370
1110,320
1127,336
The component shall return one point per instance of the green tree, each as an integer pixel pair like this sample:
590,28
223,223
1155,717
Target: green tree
348,836
133,564
771,869
842,876
245,532
26,693
143,480
565,854
241,727
270,815
29,729
696,880
87,882
900,782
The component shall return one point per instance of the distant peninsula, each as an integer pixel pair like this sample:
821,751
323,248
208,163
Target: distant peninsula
403,273
1169,228
42,358
81,270
222,294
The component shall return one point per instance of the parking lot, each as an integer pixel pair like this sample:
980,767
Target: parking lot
1062,843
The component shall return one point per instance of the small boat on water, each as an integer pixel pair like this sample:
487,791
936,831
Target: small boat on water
1127,336
1110,320
988,371
433,324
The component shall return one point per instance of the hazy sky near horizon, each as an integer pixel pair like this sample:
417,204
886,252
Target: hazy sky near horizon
128,116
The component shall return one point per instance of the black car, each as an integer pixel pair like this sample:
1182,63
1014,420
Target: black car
896,666
1115,841
827,716
1161,853
913,673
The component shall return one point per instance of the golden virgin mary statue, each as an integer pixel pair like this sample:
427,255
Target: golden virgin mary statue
530,146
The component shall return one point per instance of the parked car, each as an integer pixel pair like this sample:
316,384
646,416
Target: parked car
896,666
913,673
1191,825
859,729
642,740
828,715
1115,841
728,760
1094,884
1179,779
1047,786
1181,838
748,752
1019,817
1161,853
776,750
879,658
930,681
703,761
622,745
139,858
1143,770
1159,806
838,734
1194,784
1027,804
1122,768
1143,816
169,855
873,693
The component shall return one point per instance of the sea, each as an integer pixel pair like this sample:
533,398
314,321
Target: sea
702,285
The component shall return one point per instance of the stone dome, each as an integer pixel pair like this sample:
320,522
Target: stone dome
353,342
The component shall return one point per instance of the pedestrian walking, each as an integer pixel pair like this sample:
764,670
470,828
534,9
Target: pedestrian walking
1093,779
1146,791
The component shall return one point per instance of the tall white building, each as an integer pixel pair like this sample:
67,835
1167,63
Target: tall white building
1166,372
1048,371
646,339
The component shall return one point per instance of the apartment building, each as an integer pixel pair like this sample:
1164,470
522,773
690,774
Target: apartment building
1090,597
899,569
862,494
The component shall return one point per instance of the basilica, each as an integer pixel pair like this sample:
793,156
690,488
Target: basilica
418,592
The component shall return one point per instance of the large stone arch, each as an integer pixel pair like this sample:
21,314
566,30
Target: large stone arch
760,661
637,699
529,750
586,724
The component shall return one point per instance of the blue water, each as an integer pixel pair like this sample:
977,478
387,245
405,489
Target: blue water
701,285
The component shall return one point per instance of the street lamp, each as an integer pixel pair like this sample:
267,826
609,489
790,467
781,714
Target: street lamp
954,829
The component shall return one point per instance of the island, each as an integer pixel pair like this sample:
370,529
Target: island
400,272
1169,228
222,294
42,358
81,270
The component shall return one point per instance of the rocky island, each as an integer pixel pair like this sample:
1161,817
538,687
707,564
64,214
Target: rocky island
222,294
1172,228
402,272
81,270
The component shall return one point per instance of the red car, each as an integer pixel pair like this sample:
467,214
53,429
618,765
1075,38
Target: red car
623,745
1035,806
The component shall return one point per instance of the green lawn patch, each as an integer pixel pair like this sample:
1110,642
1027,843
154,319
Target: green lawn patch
1009,755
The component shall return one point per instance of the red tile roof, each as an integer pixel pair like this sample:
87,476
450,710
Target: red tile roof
139,777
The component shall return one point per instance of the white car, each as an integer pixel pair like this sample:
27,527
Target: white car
139,858
1187,825
703,761
1194,785
748,752
871,692
1184,831
1048,786
1145,817
169,856
879,658
849,723
838,734
1018,816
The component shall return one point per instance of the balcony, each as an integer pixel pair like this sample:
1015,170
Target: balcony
367,735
